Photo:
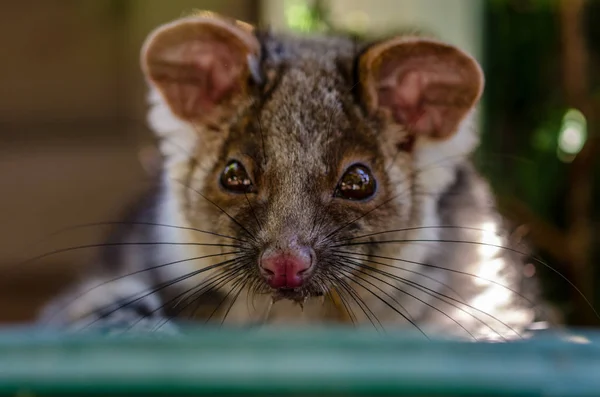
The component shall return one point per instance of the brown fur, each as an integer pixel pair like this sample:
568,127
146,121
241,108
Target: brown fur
297,113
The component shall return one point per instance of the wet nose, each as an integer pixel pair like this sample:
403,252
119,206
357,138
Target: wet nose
286,268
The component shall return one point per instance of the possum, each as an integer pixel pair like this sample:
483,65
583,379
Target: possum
308,180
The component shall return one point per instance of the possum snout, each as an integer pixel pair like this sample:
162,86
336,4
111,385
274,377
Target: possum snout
288,267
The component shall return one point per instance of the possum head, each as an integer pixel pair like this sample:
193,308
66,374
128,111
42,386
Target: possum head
293,148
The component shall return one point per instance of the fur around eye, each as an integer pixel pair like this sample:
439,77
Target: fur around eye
235,179
357,184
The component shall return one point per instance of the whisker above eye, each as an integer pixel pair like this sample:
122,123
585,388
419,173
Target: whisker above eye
262,138
409,176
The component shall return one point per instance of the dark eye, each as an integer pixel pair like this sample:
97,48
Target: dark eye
356,184
235,178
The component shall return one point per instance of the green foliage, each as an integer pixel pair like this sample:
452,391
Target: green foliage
523,110
525,107
304,17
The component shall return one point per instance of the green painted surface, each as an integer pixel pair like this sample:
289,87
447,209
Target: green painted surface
295,361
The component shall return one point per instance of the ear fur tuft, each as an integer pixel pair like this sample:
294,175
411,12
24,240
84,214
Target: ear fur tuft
427,86
200,65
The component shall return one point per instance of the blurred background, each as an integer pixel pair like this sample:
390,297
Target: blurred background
75,148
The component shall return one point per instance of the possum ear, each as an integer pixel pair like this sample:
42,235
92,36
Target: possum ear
201,65
426,86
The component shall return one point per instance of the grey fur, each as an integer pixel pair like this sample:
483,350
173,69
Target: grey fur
297,132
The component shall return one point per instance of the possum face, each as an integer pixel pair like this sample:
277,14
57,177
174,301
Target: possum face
305,152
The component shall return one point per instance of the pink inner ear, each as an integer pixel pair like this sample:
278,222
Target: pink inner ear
197,76
426,94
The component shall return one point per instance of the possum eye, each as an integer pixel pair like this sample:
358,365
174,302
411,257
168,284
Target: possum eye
357,183
235,178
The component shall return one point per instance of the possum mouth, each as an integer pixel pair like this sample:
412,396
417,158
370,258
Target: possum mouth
298,295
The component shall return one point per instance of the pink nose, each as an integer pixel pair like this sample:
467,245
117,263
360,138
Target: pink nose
286,269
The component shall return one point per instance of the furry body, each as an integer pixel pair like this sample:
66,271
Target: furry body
432,254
